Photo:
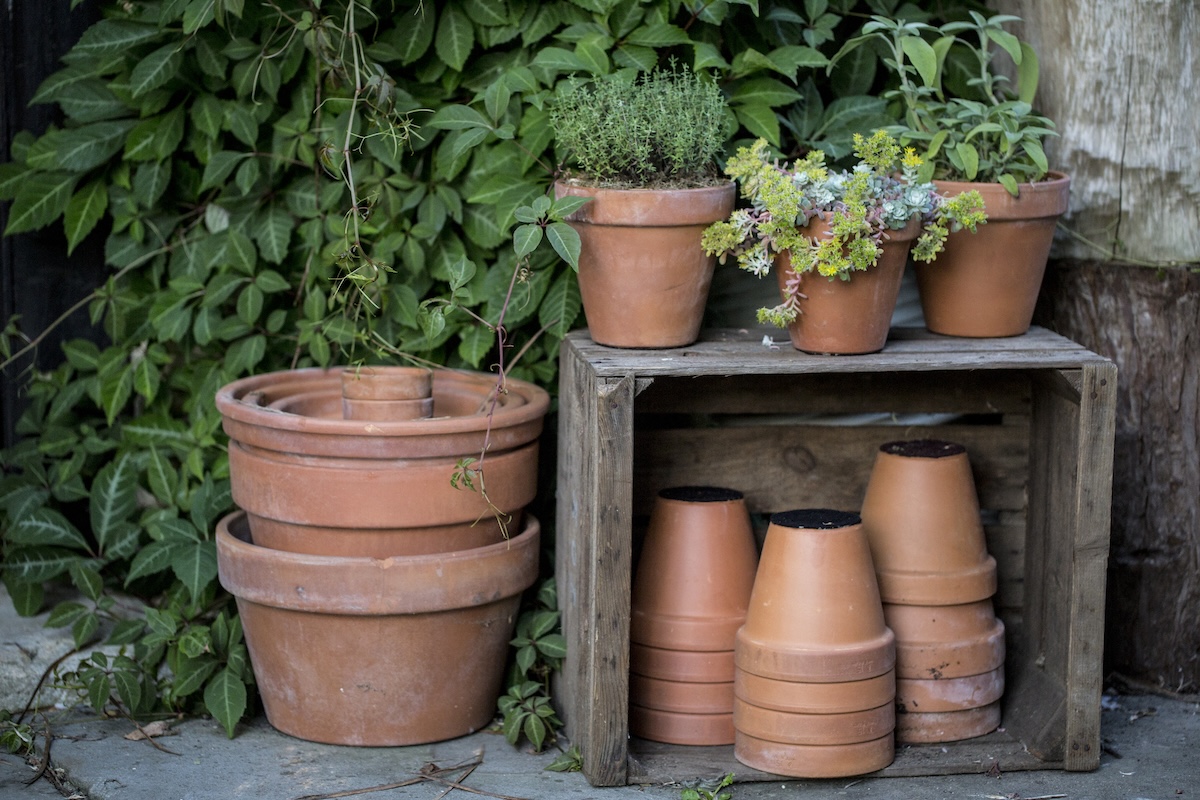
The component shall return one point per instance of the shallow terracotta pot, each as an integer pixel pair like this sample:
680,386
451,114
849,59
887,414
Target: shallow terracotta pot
935,642
849,727
815,698
949,694
693,666
986,284
673,727
921,515
947,726
681,696
815,613
814,761
313,482
851,317
378,652
643,276
696,570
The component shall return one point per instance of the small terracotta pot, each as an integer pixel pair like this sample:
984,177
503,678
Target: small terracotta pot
851,317
681,696
815,698
314,482
986,284
849,727
921,515
814,761
643,276
815,613
681,665
378,652
935,642
949,694
673,727
695,572
382,394
947,726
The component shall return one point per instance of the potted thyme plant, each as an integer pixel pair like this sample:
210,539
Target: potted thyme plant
977,133
644,150
840,239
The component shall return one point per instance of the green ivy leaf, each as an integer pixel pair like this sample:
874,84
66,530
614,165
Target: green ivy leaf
565,241
412,38
273,231
659,34
27,598
526,238
45,527
83,211
561,305
475,343
760,120
156,69
38,564
225,699
114,498
455,38
112,36
764,92
87,580
195,566
43,196
458,117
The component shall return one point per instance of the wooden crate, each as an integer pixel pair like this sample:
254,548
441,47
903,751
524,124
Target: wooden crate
1036,413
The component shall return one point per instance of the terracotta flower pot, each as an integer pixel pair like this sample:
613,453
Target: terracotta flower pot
681,696
383,394
673,727
986,283
935,642
815,698
643,275
379,652
313,482
815,613
947,726
849,727
949,694
814,761
695,572
851,317
921,515
693,666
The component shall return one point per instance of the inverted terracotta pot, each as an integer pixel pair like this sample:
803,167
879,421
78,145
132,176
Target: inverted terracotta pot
693,666
815,698
949,694
681,696
815,613
672,727
985,284
814,761
934,642
696,570
947,726
921,515
384,394
643,275
848,727
851,317
378,652
305,474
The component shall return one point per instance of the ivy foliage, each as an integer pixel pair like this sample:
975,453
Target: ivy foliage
295,183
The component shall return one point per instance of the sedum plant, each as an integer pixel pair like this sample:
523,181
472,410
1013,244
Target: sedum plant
880,194
660,129
957,107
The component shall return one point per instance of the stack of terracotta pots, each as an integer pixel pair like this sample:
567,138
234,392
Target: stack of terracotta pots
690,596
936,581
815,661
377,597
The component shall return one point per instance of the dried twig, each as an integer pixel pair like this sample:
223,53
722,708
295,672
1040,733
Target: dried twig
430,773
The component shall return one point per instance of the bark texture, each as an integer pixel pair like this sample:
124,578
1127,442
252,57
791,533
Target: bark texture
1120,81
1148,322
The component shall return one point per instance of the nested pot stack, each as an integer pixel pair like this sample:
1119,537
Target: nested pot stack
815,662
376,611
936,580
690,596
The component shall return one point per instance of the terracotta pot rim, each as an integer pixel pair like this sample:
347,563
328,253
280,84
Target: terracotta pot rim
649,208
235,402
361,585
1045,198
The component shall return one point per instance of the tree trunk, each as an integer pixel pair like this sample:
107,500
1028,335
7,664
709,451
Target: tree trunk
1118,78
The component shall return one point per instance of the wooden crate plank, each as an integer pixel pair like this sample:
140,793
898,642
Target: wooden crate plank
979,392
796,466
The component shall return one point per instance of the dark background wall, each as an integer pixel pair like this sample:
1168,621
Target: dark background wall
37,280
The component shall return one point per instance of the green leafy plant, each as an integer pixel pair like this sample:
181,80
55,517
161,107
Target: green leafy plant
972,128
860,205
570,760
709,793
659,129
538,650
